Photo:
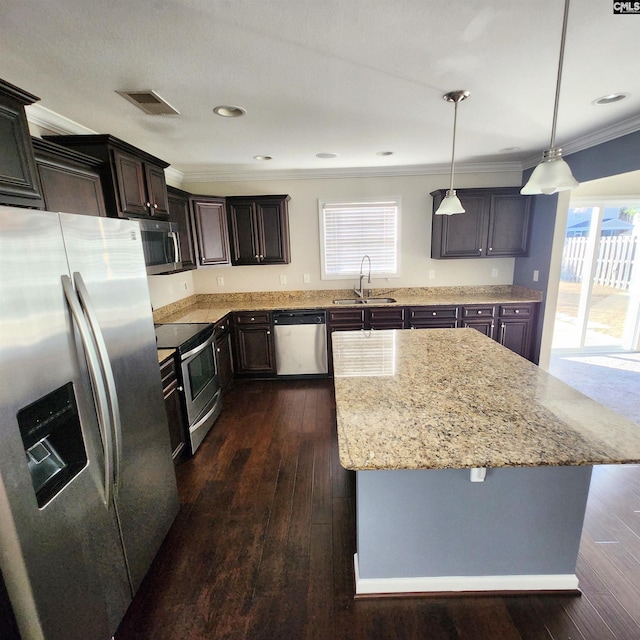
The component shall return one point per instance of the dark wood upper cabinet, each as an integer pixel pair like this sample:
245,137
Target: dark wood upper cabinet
70,180
210,219
19,184
259,229
133,181
495,225
180,214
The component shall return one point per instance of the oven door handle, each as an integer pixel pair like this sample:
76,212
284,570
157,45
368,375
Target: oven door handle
196,350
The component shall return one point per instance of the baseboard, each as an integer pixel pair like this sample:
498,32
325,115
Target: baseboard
453,584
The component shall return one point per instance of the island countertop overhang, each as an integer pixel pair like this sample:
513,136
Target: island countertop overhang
453,398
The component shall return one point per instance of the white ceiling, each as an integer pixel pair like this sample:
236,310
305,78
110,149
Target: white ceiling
351,77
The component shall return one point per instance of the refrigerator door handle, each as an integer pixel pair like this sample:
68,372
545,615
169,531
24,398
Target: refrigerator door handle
107,371
97,381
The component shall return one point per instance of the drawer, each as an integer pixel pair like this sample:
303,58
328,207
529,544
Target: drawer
516,310
443,323
345,316
168,373
222,326
253,317
386,314
478,311
435,312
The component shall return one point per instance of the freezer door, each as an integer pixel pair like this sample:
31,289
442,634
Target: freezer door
60,550
106,255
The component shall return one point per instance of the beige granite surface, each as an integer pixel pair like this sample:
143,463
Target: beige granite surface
213,307
453,398
163,354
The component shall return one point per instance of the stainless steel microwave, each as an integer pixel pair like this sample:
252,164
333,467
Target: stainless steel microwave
161,245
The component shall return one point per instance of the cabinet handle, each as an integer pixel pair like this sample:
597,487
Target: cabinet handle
256,256
502,328
490,248
434,313
517,311
480,250
268,333
479,312
149,205
180,388
261,257
253,319
218,349
155,206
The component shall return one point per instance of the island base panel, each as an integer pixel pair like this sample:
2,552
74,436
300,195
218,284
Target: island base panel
436,531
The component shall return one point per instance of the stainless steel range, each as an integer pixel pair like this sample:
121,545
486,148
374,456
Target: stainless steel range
200,380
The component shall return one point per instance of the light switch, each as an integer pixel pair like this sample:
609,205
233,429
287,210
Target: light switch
536,275
220,281
494,273
432,274
283,279
306,278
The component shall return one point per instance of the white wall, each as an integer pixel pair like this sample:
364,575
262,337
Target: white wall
415,236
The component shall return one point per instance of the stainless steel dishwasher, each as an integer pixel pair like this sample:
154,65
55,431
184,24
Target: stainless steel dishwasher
301,342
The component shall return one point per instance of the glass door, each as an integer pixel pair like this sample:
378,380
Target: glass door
598,299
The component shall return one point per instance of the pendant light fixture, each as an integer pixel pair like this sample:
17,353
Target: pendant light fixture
553,173
451,203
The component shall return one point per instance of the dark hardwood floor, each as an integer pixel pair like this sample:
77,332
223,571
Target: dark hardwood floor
263,545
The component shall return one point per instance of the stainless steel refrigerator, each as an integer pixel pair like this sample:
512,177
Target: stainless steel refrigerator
87,485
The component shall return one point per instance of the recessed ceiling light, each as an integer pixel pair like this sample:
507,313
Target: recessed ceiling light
228,111
612,97
263,157
326,155
384,153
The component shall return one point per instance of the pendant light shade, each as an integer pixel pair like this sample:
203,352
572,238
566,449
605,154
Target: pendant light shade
553,173
451,203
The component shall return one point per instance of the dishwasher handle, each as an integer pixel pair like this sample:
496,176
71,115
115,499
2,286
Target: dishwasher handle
299,317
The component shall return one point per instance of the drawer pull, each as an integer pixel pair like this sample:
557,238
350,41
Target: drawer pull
435,313
517,311
479,312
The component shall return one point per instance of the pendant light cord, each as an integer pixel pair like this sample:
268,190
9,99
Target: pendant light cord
559,80
453,146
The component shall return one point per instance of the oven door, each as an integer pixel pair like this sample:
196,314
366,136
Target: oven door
200,379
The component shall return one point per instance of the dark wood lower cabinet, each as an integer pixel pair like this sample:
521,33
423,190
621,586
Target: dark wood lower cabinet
224,351
254,351
433,317
173,406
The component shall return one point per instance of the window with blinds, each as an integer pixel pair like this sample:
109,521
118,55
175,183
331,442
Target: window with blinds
350,230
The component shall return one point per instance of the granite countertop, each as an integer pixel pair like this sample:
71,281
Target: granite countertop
163,354
453,398
213,307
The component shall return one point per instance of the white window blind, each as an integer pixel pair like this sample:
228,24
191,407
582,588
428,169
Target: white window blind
349,230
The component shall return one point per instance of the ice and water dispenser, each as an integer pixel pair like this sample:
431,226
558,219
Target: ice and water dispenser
53,443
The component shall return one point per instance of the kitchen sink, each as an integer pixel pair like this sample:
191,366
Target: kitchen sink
364,301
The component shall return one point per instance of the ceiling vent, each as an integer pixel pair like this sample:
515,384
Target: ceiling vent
150,102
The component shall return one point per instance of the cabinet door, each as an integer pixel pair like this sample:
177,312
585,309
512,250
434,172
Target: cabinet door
515,334
180,214
224,358
173,406
130,176
157,198
243,233
462,235
509,225
211,231
273,231
71,189
484,325
254,350
18,174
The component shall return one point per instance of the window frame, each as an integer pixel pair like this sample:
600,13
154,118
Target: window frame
322,203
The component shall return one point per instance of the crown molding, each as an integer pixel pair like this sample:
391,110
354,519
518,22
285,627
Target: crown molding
47,119
616,130
174,175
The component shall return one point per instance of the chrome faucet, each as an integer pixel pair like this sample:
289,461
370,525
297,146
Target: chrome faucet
360,292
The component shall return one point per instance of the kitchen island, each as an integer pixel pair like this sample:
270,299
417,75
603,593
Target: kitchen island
473,465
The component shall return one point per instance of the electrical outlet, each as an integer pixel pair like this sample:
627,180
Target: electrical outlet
306,278
494,273
283,279
432,274
220,281
536,275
